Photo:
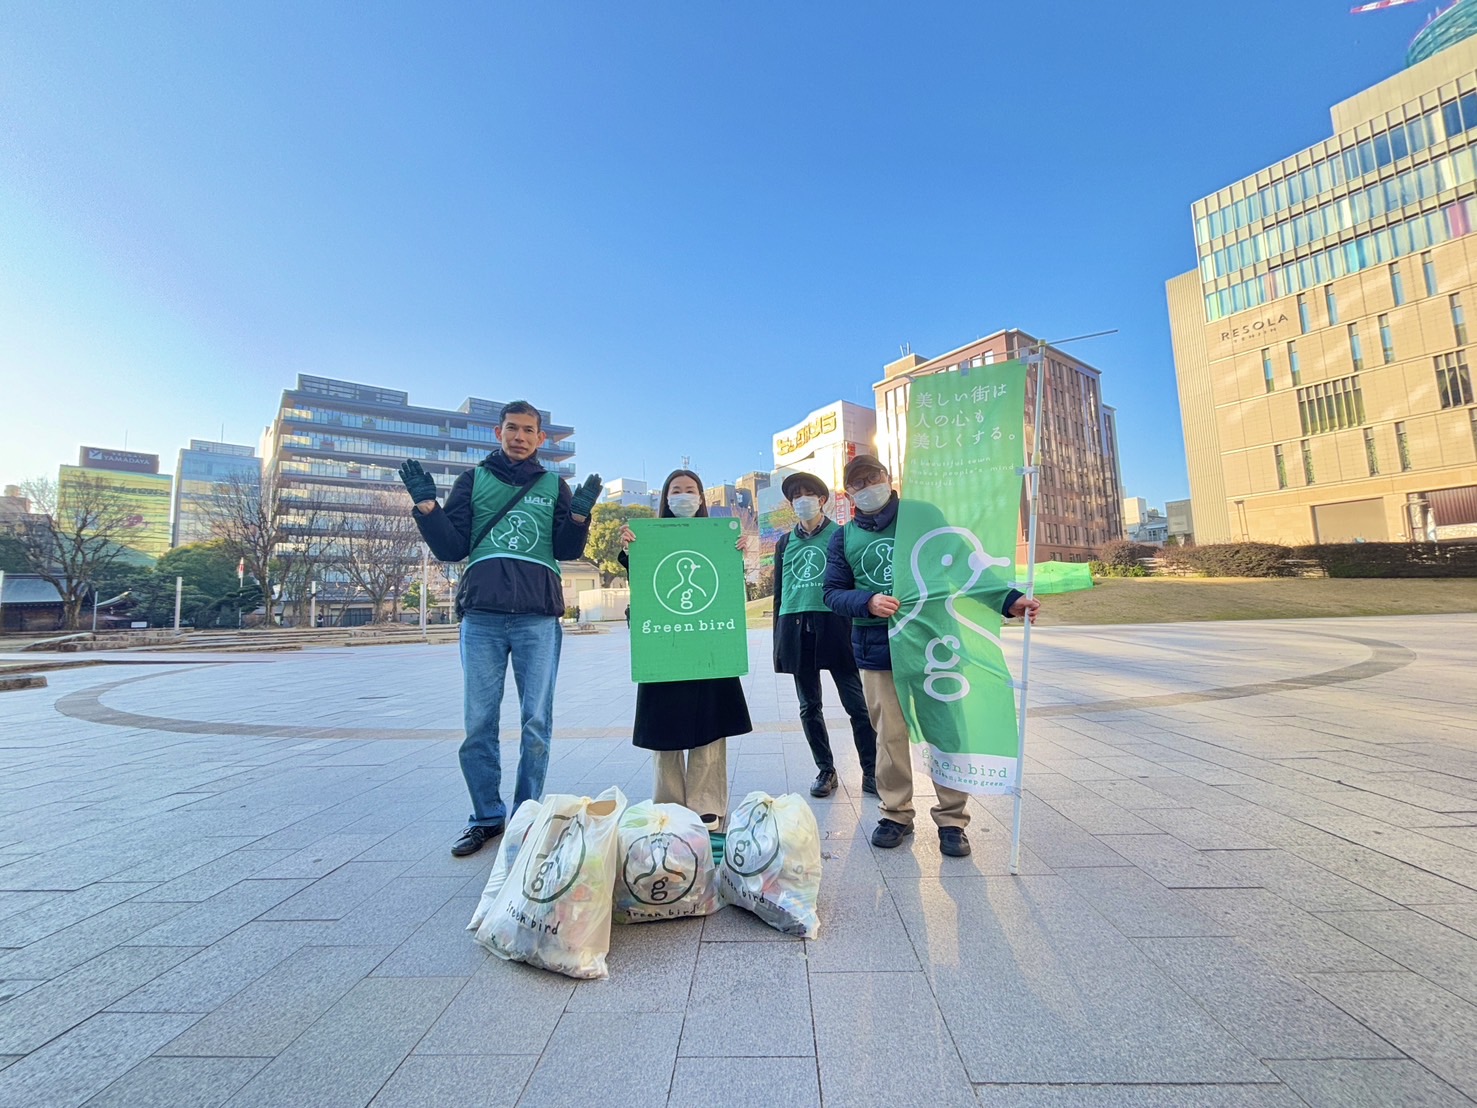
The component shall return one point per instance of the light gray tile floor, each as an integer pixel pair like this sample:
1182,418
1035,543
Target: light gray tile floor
1249,878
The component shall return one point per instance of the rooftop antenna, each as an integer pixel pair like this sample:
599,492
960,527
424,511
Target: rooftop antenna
905,348
686,461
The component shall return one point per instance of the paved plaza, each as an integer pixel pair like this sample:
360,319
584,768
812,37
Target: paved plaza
1249,879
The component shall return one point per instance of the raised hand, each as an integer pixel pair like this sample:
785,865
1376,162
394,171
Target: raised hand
585,497
417,481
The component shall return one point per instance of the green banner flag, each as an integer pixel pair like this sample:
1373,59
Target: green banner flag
954,560
687,600
1056,577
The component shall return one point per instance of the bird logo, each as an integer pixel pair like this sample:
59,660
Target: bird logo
938,559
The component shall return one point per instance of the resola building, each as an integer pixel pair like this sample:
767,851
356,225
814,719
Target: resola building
1323,344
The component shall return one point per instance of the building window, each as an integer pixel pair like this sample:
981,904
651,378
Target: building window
1474,428
1267,368
1303,322
1307,463
1387,340
1397,286
1402,447
1282,465
1292,363
1458,319
1428,271
1356,348
1371,458
1331,302
1331,406
1453,380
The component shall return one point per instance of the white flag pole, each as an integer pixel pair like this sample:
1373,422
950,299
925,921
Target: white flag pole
1032,472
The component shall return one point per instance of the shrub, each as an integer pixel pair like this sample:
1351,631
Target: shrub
572,611
1234,559
1104,569
1125,554
1393,559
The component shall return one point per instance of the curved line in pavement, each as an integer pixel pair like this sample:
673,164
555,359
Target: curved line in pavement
87,704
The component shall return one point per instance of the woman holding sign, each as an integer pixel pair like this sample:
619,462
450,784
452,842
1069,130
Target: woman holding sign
686,723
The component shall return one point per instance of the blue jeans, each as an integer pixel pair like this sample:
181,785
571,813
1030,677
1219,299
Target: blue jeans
488,639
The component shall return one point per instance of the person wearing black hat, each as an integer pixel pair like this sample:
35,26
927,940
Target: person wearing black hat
809,637
859,585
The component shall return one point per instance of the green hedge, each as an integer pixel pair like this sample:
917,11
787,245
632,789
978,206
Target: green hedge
1232,559
1392,559
1123,554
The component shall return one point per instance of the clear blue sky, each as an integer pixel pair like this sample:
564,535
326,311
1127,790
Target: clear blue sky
680,226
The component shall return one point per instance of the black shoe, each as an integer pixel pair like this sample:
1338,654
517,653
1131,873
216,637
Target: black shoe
869,784
825,783
953,842
474,839
888,833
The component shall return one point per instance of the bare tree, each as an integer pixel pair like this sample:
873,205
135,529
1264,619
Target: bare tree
75,534
378,548
247,516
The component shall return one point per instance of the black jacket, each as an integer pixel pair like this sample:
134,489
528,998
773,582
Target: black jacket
502,584
827,634
868,641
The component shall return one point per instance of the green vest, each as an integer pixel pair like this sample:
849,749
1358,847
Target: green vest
527,531
869,553
805,571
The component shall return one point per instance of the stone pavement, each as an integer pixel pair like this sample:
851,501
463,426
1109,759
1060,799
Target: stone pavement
1250,879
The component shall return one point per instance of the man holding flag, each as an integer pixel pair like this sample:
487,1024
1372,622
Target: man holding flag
859,585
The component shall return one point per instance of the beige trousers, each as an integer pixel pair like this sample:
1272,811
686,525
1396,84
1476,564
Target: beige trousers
696,779
895,758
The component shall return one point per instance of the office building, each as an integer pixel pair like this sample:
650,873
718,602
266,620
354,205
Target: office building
202,469
628,492
132,485
335,448
1135,508
823,442
1081,490
1322,344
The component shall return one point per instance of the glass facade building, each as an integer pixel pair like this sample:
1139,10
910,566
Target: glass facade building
1081,505
201,468
1374,226
134,483
336,446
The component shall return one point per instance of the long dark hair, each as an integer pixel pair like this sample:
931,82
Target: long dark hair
665,512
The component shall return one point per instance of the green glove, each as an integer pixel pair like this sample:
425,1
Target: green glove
418,481
585,496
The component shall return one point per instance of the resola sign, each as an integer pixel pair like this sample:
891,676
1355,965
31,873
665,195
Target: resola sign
1257,328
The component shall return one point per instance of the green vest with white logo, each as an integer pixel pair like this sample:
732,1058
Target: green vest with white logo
805,571
526,532
869,553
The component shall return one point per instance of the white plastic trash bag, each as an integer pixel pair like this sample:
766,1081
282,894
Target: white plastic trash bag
666,865
513,836
553,910
772,862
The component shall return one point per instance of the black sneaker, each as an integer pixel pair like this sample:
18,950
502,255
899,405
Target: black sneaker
953,842
869,784
825,783
889,833
474,839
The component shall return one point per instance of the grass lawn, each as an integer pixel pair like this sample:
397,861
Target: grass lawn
1190,599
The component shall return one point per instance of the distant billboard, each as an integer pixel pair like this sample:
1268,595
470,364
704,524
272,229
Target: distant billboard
125,461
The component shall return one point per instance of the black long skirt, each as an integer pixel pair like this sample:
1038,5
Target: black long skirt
681,715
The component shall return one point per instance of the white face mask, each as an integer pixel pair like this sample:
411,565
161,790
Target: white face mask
872,498
684,504
807,507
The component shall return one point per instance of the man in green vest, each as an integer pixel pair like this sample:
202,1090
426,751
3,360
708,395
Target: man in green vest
859,585
809,637
514,522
